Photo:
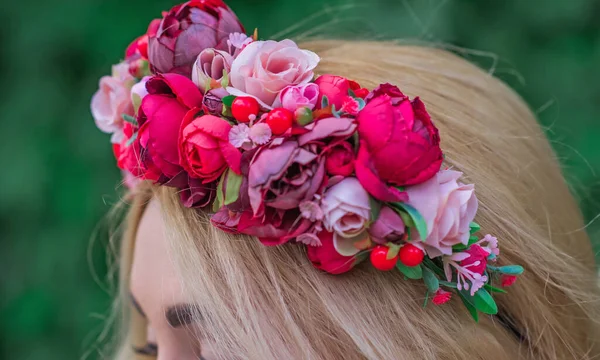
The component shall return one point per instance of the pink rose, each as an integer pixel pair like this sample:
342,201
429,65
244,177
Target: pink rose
187,29
448,207
327,258
204,148
388,227
347,212
340,160
209,68
112,100
399,133
294,97
264,68
337,89
170,97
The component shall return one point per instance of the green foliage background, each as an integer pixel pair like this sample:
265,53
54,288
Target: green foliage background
59,177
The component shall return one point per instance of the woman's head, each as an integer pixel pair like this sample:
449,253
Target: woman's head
232,297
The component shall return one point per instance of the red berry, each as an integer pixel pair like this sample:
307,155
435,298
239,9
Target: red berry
379,258
244,107
280,120
411,255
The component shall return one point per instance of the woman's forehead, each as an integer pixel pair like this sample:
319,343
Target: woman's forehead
154,280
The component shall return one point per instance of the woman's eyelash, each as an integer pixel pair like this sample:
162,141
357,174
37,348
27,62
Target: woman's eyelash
148,349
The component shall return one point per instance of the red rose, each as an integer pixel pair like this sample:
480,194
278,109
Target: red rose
387,89
336,88
340,160
128,155
477,255
204,148
186,30
399,145
326,257
170,97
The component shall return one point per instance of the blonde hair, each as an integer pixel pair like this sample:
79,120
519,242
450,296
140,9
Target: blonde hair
269,303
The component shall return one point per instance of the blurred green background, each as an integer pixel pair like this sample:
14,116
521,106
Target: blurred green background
61,179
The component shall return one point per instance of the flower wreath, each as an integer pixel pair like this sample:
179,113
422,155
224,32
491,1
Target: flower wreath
243,129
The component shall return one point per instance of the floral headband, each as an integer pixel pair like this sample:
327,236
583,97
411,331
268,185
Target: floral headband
242,128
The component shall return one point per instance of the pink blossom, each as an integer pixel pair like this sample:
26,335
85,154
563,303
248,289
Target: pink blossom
260,133
264,68
490,244
301,96
239,136
210,67
311,210
441,297
237,42
112,100
350,106
138,92
388,227
347,212
448,207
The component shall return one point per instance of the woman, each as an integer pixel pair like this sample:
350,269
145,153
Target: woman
190,290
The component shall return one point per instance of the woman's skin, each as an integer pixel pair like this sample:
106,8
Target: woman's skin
157,294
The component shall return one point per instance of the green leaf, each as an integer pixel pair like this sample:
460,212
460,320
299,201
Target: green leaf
484,302
469,306
472,240
232,189
426,299
508,269
393,251
225,79
324,102
414,272
228,100
431,281
131,139
336,113
474,227
219,200
447,284
375,208
459,248
494,289
352,93
417,219
361,103
130,119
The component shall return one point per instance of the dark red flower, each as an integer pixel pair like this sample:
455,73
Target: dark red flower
340,160
170,97
326,257
186,30
128,152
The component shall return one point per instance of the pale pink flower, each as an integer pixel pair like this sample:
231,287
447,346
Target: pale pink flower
448,207
237,42
112,100
347,212
311,210
309,239
489,243
264,68
138,92
239,136
301,96
210,67
260,133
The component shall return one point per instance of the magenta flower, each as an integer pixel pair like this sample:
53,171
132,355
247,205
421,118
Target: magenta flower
470,266
300,96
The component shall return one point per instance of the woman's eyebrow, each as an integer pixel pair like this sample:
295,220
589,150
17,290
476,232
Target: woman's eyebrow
181,314
136,305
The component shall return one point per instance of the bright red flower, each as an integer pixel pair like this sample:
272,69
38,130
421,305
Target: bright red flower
128,155
186,30
441,297
400,146
204,148
507,280
170,97
326,257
